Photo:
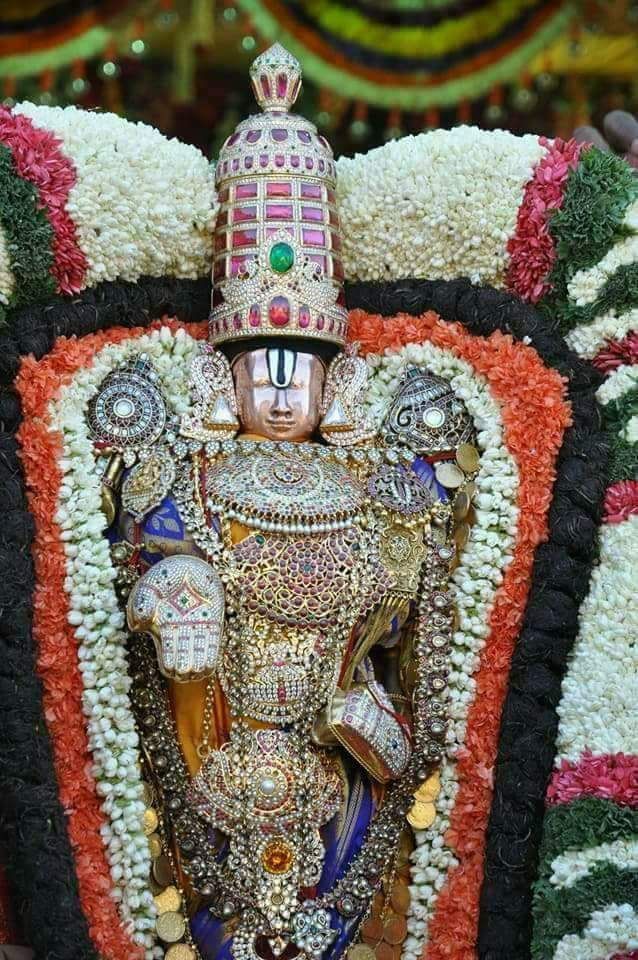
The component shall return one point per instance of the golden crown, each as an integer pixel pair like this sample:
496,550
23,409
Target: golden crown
277,266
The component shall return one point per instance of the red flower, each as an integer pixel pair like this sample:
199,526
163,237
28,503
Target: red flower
617,352
531,249
611,776
621,501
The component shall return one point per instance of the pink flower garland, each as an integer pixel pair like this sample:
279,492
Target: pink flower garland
621,501
616,353
39,159
609,776
531,249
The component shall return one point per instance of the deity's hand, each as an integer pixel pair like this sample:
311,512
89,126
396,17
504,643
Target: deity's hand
620,135
364,722
180,602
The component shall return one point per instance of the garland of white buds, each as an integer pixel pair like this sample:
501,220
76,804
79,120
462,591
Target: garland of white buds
99,623
474,584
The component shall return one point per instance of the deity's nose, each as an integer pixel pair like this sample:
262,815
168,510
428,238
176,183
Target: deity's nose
280,404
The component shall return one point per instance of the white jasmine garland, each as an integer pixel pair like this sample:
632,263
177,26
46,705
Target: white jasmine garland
630,430
597,709
143,205
588,338
474,584
573,865
611,930
406,209
99,623
621,380
7,280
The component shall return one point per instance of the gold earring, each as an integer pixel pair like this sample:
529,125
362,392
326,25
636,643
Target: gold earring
344,423
214,412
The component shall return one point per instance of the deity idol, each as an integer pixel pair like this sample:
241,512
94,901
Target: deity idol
284,567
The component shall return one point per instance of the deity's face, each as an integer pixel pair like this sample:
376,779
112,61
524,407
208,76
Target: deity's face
279,392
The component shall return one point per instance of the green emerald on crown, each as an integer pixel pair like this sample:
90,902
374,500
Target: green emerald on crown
282,257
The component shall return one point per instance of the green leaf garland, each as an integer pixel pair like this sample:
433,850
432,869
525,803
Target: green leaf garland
567,909
585,823
29,235
588,224
581,825
620,293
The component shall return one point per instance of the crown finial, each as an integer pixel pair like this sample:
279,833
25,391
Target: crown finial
276,79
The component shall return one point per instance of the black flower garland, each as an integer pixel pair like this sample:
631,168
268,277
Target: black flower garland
40,863
560,580
39,859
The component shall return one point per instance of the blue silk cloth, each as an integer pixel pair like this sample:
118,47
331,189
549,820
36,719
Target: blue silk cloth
342,837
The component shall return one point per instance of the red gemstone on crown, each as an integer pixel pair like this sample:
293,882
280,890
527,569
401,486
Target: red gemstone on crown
279,311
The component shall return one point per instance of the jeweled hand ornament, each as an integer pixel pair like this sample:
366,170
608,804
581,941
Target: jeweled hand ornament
180,602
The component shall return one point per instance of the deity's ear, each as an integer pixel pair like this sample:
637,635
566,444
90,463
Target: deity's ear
344,422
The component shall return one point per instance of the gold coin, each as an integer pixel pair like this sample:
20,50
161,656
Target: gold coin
429,789
359,951
461,505
395,930
461,535
147,794
449,475
467,457
421,815
162,870
150,822
180,951
169,900
155,887
400,898
383,951
155,845
170,926
372,929
470,489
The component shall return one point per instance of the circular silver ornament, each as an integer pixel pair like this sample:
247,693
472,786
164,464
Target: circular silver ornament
128,410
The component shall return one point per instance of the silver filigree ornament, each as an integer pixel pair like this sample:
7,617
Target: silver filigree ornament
312,932
344,422
214,413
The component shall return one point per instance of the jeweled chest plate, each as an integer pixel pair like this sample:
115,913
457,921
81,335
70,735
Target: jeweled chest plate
295,488
298,581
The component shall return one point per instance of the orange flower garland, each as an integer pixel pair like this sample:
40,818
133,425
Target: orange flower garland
535,416
38,383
